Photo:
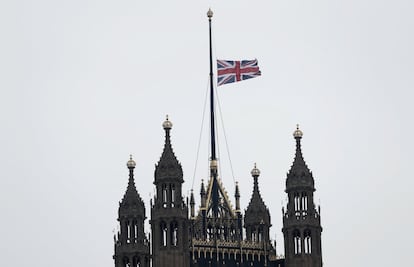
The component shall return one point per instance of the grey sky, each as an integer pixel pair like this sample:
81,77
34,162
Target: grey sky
83,84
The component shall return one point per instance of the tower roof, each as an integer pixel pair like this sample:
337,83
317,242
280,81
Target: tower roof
131,202
168,166
299,174
256,211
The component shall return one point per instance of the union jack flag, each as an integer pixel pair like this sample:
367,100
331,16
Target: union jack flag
229,71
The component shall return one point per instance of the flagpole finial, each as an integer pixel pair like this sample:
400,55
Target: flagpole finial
209,13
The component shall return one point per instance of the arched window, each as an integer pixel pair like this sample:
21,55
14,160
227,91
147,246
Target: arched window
304,203
254,234
136,230
209,232
297,203
164,196
260,234
128,227
297,244
226,233
232,233
307,242
135,261
174,234
163,228
221,232
172,195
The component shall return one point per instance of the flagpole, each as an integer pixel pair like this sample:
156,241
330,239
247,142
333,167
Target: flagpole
213,162
213,134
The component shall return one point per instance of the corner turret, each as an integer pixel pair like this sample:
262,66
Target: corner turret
131,245
257,215
301,221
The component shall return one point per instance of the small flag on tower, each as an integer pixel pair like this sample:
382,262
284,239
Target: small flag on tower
229,71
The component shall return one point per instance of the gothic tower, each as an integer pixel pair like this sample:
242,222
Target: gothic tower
257,216
132,248
169,213
257,222
301,221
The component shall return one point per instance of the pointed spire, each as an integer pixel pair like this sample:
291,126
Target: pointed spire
192,204
192,197
237,193
256,211
202,190
131,196
203,194
299,173
237,196
168,166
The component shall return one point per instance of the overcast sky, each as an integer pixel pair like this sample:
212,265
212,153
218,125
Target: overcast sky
85,83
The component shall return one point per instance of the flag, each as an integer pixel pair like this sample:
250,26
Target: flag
229,71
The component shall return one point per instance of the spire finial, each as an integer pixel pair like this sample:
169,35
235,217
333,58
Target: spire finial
237,191
167,125
209,13
297,133
131,163
255,172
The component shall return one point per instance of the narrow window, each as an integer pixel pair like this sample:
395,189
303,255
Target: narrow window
163,234
174,234
232,233
164,195
304,201
297,202
128,232
297,242
260,236
172,195
226,233
209,233
308,242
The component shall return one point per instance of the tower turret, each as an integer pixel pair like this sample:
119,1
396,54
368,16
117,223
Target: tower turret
169,213
301,221
131,245
257,215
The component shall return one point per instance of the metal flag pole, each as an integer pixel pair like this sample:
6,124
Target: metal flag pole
213,162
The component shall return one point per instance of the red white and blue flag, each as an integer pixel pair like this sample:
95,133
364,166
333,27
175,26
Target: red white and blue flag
229,71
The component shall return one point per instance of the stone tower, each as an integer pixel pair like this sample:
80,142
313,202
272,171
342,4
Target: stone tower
169,213
301,221
257,215
132,248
